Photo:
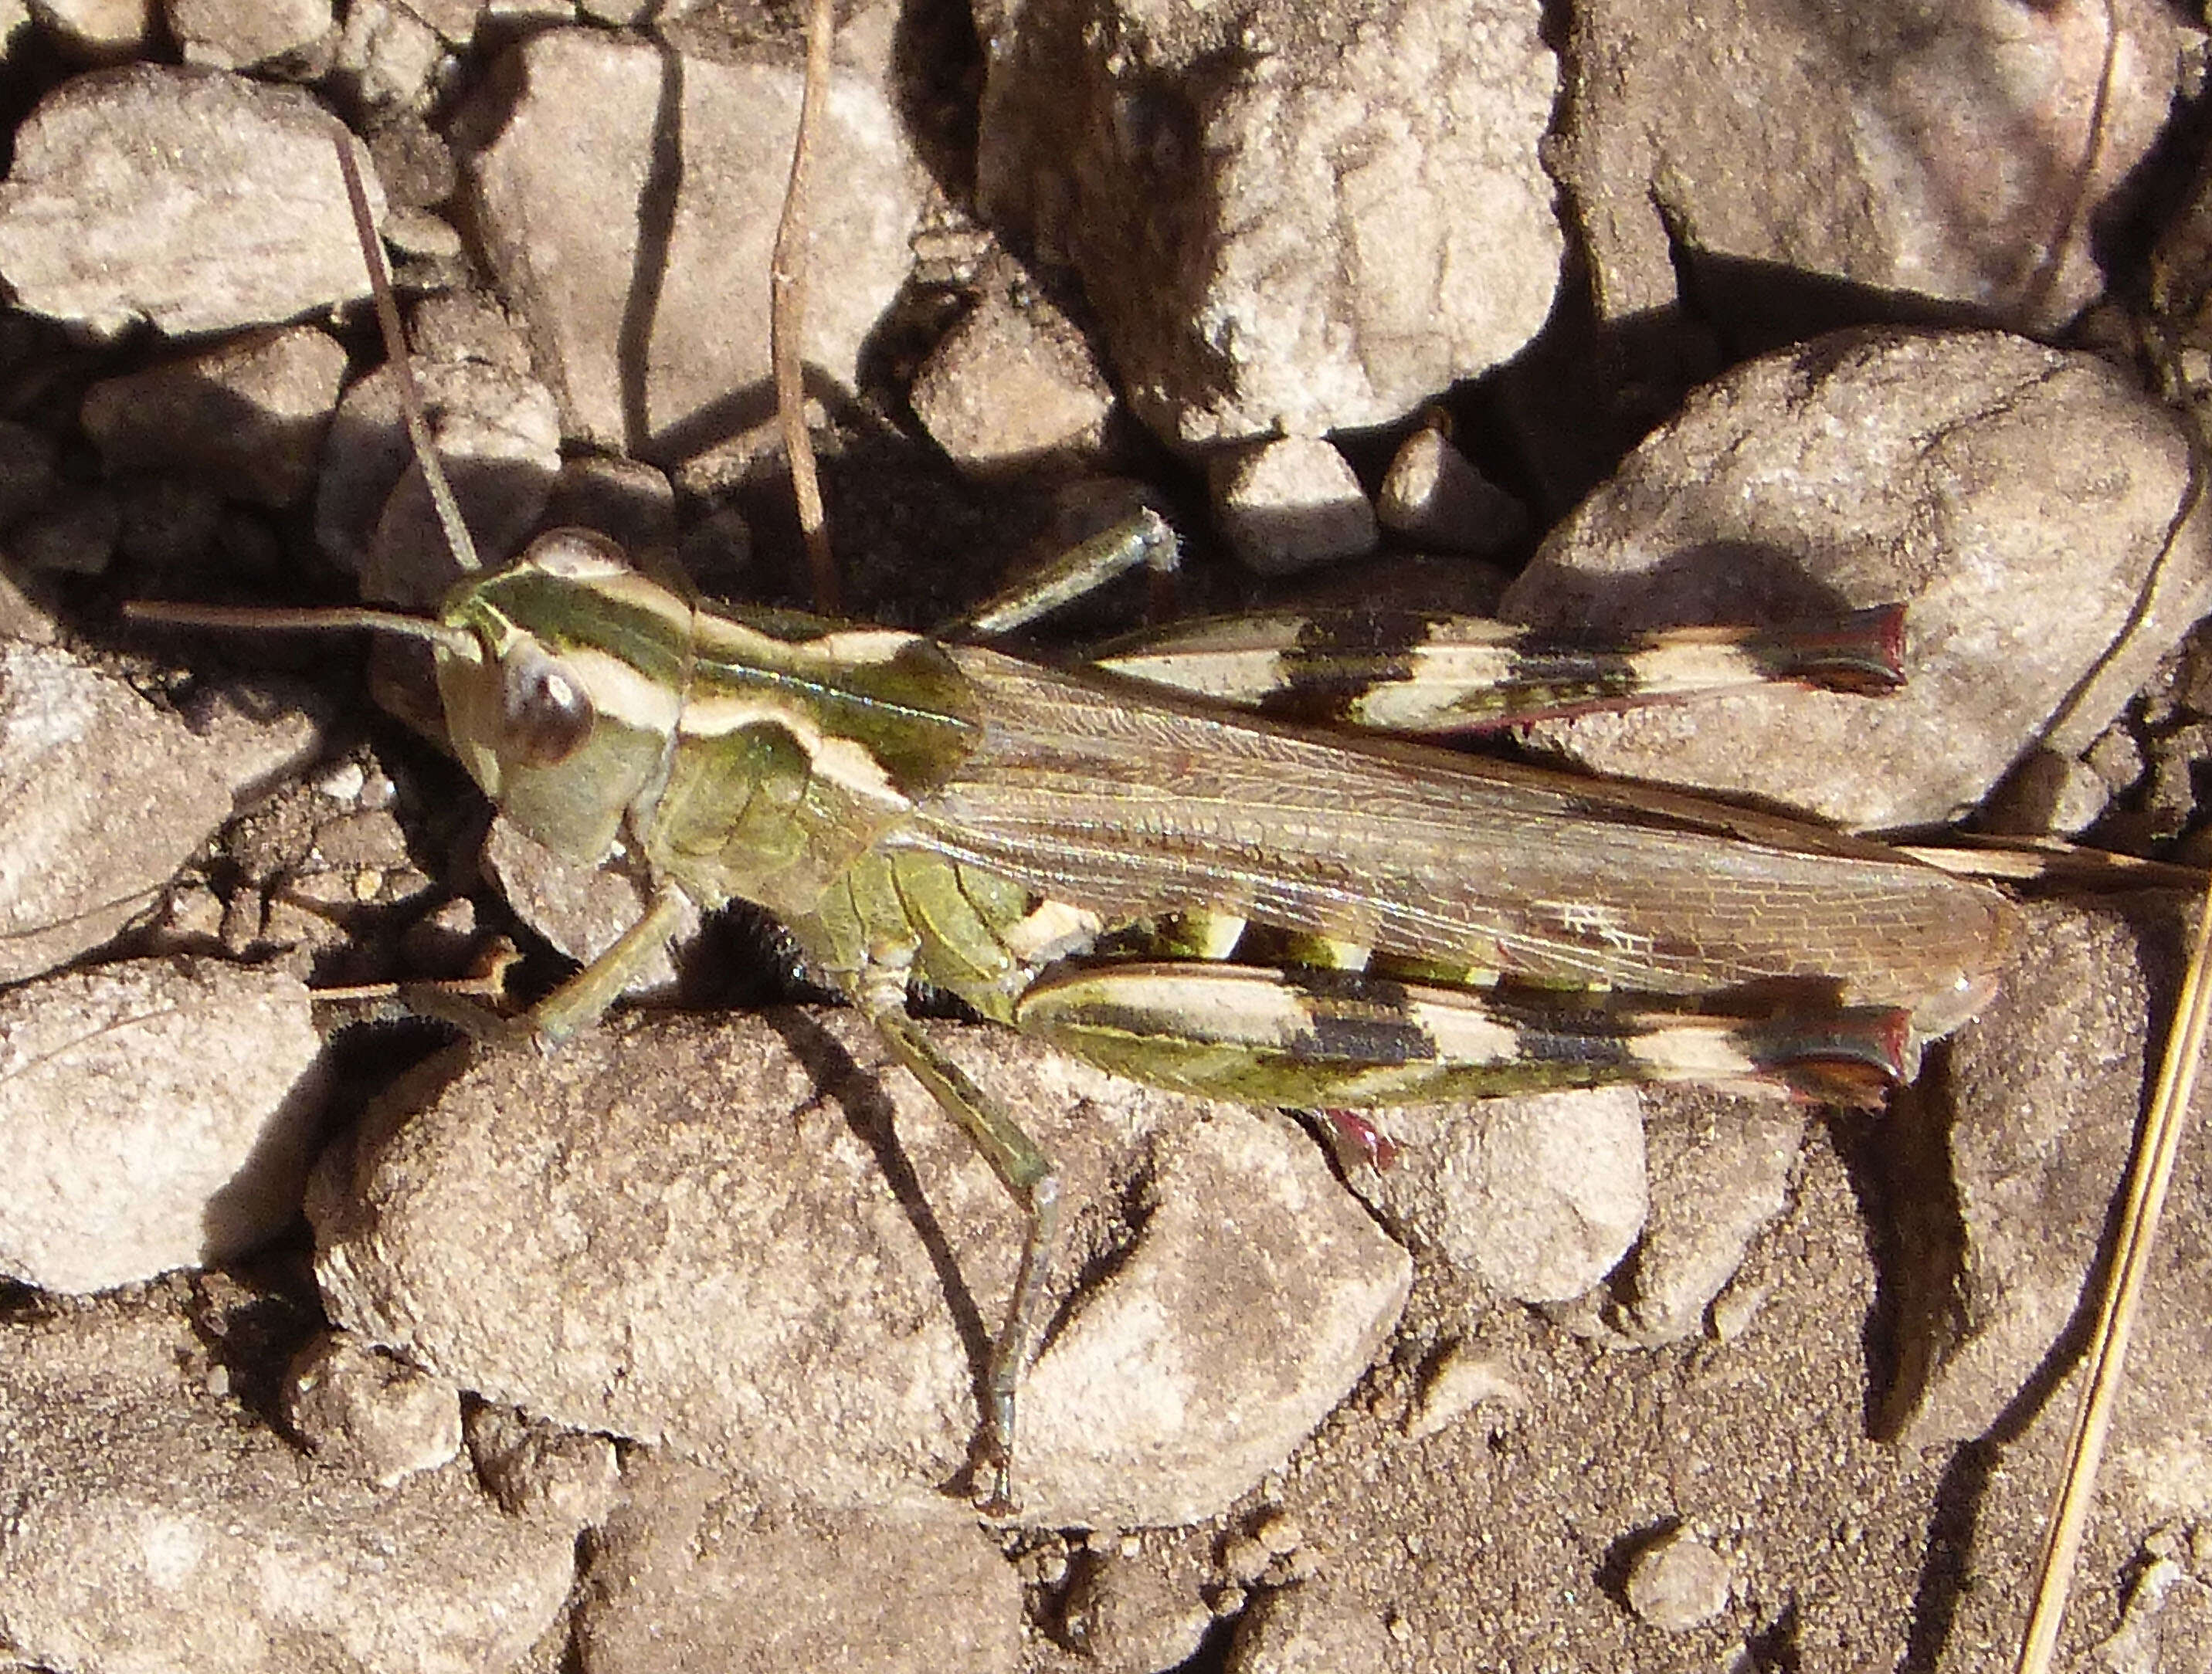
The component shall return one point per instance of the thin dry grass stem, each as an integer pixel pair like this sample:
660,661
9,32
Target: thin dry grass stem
2148,1175
456,528
788,313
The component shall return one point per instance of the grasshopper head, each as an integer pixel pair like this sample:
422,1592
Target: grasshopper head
561,678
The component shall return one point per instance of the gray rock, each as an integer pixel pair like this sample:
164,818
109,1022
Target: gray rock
628,501
2026,505
1460,1379
1536,1198
412,159
74,533
354,1406
16,27
1432,497
28,608
1678,1582
498,435
27,473
98,30
2166,1628
82,759
391,52
1888,146
581,910
686,1575
192,198
455,21
247,417
2037,1148
1131,1618
1719,1170
237,35
1291,219
152,1525
167,523
1013,387
2035,1161
539,1469
156,1115
1310,1628
645,291
675,1231
1290,505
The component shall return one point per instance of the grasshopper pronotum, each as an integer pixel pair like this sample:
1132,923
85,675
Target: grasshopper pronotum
1173,887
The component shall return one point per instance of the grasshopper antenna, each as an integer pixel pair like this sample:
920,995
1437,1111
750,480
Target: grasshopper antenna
787,312
261,619
454,639
396,356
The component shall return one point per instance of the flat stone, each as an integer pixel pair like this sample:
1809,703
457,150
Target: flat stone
190,198
159,1115
681,1233
2027,505
154,1523
644,288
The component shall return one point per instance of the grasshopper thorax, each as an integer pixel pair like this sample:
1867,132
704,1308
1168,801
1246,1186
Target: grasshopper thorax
748,753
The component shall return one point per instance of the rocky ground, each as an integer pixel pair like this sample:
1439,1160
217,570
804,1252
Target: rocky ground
327,1343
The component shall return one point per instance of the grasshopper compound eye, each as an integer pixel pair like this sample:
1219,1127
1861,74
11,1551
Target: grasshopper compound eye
545,715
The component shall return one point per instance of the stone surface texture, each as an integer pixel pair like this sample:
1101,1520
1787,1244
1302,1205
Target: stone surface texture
154,1525
628,198
1965,154
193,199
1940,470
1289,219
698,1250
84,762
156,1116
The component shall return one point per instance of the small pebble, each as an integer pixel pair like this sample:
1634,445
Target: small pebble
1244,1559
1678,1582
344,782
379,1414
1433,497
1457,1381
1292,504
1280,1532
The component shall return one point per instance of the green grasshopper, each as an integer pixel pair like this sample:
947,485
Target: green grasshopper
1173,887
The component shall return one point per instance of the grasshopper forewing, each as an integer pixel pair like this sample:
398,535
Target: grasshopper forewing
1200,897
